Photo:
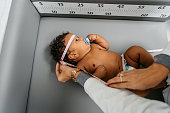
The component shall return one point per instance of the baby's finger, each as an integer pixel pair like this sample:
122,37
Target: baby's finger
88,35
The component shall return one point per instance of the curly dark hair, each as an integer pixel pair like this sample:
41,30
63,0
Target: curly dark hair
57,48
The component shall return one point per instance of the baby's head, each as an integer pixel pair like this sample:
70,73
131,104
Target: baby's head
77,50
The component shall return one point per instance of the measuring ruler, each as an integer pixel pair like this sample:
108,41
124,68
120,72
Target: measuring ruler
102,10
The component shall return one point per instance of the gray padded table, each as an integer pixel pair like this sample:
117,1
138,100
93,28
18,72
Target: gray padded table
47,94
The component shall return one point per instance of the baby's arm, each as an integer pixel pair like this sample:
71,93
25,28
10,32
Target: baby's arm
97,70
137,55
100,72
98,40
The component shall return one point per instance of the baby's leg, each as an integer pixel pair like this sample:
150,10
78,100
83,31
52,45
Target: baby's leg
137,55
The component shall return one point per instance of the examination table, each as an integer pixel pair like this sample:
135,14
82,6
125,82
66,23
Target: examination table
28,83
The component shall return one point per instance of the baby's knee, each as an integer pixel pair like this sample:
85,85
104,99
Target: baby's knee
133,54
134,50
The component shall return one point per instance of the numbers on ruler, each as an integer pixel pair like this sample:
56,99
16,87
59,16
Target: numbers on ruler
144,15
163,15
53,11
100,5
121,6
90,13
161,7
72,12
141,7
60,4
80,4
108,13
40,3
103,10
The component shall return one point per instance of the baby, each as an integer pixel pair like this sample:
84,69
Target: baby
95,57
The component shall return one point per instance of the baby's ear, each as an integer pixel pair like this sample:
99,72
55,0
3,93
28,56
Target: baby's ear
73,55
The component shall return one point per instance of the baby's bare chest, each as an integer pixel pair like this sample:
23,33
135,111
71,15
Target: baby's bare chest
100,57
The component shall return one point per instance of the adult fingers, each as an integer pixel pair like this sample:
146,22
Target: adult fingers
58,69
124,73
114,80
118,79
129,72
120,85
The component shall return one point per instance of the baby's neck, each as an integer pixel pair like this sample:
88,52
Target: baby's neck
83,54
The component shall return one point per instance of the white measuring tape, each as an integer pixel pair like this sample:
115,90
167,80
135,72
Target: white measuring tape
66,49
70,8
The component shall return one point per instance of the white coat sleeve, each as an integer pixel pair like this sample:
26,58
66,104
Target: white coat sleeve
112,100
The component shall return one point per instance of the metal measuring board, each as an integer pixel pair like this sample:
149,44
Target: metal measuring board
101,10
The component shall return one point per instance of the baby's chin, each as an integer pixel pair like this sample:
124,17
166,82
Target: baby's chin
88,47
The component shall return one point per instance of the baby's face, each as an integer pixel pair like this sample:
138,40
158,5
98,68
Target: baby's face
77,45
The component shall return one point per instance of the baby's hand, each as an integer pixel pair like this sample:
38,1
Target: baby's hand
97,39
92,37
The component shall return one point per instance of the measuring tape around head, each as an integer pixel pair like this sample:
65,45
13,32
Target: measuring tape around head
116,10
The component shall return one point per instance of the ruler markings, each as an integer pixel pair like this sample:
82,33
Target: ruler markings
103,9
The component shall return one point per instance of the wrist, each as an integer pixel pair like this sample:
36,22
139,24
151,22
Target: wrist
74,73
161,68
77,74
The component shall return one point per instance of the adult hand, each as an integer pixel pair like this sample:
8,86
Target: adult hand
140,79
63,72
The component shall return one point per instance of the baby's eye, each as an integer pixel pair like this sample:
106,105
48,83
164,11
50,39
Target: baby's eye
76,39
